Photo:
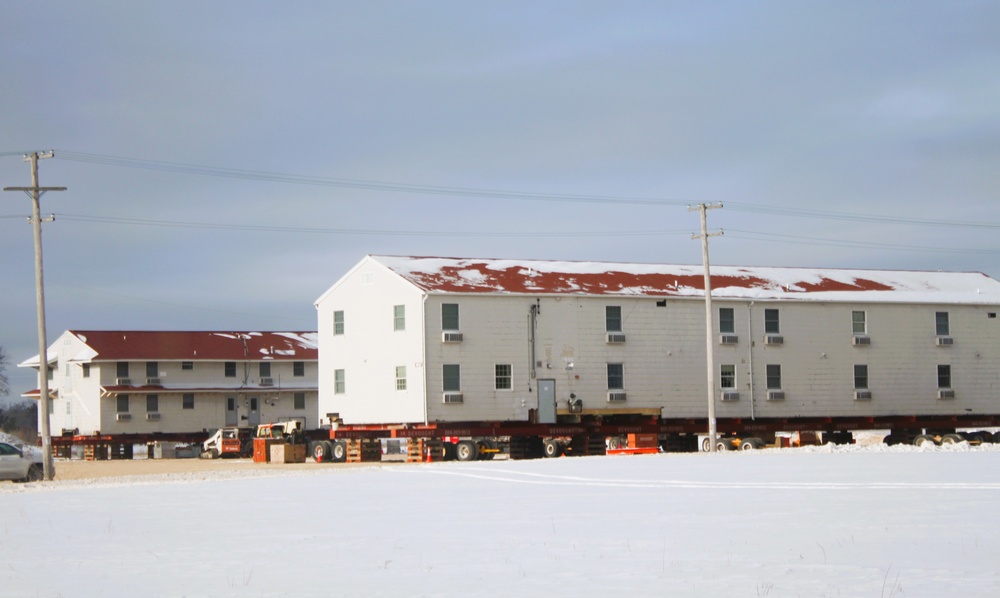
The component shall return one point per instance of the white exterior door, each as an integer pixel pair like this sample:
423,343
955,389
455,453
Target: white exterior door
546,401
253,416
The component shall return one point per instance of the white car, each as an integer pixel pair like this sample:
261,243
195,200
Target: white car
16,466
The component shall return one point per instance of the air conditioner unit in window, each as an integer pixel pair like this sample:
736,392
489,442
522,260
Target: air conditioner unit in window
453,398
729,339
861,340
153,417
616,338
616,397
153,381
862,395
945,341
730,395
946,393
451,337
774,339
267,381
775,395
123,381
123,417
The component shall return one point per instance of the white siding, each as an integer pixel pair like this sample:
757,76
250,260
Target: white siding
370,349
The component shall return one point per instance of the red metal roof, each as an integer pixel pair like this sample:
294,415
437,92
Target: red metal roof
506,276
122,345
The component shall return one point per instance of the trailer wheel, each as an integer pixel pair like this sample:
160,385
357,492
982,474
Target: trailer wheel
338,452
450,451
750,444
951,439
723,445
923,440
552,448
320,451
706,444
467,451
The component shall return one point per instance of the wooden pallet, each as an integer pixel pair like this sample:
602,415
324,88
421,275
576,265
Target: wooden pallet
95,452
366,450
418,449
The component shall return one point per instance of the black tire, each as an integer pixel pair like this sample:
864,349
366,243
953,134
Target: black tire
246,451
467,451
338,452
552,448
706,445
36,473
748,444
951,439
722,445
923,439
321,451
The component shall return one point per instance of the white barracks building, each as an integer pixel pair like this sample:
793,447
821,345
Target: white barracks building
420,339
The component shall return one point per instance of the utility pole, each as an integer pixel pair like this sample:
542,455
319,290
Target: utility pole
709,325
35,192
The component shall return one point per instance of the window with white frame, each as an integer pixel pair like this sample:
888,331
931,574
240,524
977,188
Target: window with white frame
400,377
230,369
187,400
449,316
338,322
773,371
265,369
399,317
338,382
859,322
121,369
86,370
504,376
616,376
772,324
299,401
727,320
152,403
727,375
861,377
941,324
298,368
121,404
944,376
187,366
451,377
152,369
613,318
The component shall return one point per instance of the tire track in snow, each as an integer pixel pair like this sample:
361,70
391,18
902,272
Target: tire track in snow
520,477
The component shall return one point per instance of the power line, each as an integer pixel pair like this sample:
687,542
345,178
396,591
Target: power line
821,242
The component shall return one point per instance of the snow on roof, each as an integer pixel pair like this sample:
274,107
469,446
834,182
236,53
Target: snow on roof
502,276
198,345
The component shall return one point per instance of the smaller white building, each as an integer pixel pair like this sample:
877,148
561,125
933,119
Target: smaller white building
146,382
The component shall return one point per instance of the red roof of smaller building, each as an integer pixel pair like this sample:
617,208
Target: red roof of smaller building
122,345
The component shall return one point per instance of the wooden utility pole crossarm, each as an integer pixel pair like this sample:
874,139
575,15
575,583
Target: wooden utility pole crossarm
35,192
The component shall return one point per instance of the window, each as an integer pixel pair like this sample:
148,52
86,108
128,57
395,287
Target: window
265,369
727,376
616,376
771,322
504,376
773,376
452,377
859,322
944,376
613,318
298,368
449,316
399,317
727,320
49,371
338,322
230,369
152,403
338,382
230,403
86,370
400,377
187,366
187,400
122,369
152,369
299,400
941,323
861,377
121,404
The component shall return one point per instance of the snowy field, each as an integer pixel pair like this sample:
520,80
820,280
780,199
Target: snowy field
824,521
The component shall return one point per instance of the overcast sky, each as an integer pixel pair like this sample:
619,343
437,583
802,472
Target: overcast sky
226,162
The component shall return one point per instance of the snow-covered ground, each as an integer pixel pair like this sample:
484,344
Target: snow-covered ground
826,521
